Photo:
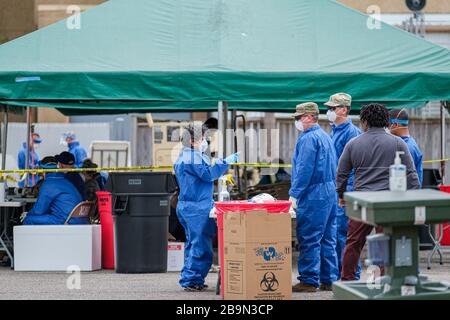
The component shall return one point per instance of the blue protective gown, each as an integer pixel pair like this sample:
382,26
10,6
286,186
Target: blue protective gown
341,135
57,197
416,155
33,163
78,152
313,184
195,177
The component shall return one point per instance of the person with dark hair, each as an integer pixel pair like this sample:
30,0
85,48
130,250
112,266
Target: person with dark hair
370,155
342,131
399,127
66,160
313,195
212,125
90,180
195,176
57,198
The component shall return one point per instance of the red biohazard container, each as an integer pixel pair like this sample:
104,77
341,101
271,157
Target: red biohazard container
446,237
280,206
106,221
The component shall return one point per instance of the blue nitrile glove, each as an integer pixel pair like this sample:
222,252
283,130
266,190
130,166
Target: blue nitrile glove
232,158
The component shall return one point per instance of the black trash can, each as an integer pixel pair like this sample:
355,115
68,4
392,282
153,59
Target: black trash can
141,210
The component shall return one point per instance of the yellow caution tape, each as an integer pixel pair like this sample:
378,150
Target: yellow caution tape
434,161
40,171
149,168
262,165
8,178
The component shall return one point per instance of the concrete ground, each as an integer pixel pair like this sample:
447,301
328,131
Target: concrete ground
109,285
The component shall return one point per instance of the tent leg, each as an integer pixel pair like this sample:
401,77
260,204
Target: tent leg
220,127
225,127
220,148
443,141
27,159
4,136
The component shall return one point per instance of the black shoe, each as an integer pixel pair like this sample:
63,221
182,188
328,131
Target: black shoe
326,287
195,288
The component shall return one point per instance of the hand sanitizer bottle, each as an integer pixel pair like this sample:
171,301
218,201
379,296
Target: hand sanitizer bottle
397,174
224,195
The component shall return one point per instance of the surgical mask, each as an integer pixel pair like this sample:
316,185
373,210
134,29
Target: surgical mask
393,129
331,115
204,145
36,146
396,120
299,125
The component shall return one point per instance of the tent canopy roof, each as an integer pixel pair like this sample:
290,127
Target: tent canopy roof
186,55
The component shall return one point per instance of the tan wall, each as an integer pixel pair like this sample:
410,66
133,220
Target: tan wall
49,115
17,18
398,6
51,11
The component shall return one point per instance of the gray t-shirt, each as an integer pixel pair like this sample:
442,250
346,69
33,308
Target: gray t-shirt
371,154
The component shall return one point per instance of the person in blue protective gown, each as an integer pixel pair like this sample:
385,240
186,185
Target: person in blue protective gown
399,126
56,199
313,194
69,139
33,159
342,131
195,176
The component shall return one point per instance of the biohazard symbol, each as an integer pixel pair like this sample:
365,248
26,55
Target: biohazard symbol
269,283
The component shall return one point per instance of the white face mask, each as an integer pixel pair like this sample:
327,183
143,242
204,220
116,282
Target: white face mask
331,115
299,125
204,145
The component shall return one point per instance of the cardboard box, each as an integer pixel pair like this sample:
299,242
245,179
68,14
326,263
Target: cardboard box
175,256
257,256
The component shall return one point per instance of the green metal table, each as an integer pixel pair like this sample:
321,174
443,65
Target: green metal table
399,214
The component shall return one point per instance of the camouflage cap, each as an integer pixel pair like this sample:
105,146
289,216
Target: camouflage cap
339,100
307,107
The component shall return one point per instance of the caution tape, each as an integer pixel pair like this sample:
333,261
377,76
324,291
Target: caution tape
262,165
8,178
435,161
65,170
147,168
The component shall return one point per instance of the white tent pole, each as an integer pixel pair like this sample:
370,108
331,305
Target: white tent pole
220,118
4,136
443,140
27,159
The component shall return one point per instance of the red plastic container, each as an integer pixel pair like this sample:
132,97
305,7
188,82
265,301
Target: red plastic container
281,206
106,221
446,238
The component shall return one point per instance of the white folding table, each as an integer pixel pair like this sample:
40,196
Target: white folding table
6,243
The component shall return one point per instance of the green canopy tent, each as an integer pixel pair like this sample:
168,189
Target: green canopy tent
187,55
268,55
